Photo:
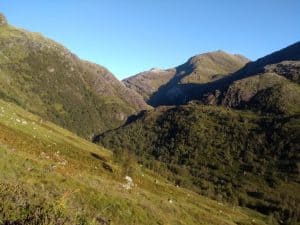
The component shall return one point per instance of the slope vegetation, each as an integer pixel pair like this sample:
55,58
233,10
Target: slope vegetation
51,176
235,156
45,78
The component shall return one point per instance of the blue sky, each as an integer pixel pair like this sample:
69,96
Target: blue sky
130,36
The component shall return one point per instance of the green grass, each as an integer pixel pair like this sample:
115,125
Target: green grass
49,176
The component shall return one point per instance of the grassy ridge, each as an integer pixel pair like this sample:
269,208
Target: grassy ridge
51,176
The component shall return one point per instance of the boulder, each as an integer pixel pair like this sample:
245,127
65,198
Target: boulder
3,20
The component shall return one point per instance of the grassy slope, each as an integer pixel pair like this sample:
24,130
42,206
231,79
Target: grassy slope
212,66
49,176
45,78
237,156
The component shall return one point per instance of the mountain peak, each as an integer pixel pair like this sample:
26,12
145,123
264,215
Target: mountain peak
156,70
217,56
3,20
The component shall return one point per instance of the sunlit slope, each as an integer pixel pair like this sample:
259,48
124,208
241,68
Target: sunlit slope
51,176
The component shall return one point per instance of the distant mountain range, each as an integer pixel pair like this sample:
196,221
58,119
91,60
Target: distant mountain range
223,79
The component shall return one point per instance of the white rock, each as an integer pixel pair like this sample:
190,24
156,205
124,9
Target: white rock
128,178
51,70
129,183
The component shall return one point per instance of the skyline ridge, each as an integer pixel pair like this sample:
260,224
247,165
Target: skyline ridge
129,37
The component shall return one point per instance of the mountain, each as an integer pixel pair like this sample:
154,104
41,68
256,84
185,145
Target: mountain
161,87
235,139
44,77
269,84
148,82
237,156
51,176
198,69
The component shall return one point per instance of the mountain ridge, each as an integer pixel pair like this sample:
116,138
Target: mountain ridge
178,90
44,77
201,68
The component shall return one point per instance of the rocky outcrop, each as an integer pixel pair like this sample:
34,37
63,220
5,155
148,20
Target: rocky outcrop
3,20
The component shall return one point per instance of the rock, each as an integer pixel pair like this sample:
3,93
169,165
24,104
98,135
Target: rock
129,183
107,167
51,70
128,179
3,20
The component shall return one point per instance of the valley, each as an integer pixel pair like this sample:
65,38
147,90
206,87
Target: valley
215,140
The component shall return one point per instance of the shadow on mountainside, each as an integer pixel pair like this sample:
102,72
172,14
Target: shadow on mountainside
176,93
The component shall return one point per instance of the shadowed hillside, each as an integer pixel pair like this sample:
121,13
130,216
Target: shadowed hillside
165,86
240,157
247,157
270,84
218,79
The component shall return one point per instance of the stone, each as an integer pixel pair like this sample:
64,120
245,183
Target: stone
3,20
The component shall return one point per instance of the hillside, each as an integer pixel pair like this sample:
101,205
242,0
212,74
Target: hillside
47,79
51,176
266,92
148,82
270,84
240,157
162,86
